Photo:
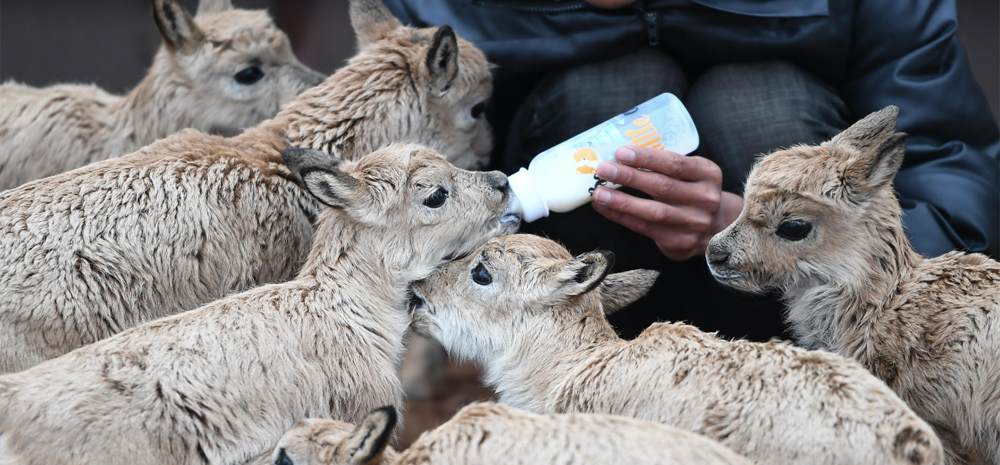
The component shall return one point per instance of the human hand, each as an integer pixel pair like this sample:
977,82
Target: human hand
688,205
610,4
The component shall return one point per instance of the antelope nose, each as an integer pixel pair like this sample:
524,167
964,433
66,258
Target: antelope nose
498,181
717,257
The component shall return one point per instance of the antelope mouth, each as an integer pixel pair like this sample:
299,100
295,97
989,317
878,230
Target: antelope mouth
510,217
722,276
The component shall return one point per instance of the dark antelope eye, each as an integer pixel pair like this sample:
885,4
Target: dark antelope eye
416,301
437,198
248,76
481,276
794,230
479,109
283,459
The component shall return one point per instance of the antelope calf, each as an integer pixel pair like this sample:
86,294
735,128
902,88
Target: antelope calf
822,225
221,71
222,383
533,317
488,433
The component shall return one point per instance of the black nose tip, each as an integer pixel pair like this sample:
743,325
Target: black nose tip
717,257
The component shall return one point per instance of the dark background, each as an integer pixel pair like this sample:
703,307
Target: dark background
112,42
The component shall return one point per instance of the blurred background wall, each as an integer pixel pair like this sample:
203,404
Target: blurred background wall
112,42
979,31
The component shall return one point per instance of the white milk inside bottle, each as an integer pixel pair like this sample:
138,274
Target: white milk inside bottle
565,176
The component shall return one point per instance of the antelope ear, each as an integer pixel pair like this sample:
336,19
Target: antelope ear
213,6
869,132
442,60
878,149
323,176
369,439
372,21
584,272
877,167
621,289
176,26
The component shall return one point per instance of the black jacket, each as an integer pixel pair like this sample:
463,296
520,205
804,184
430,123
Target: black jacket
874,52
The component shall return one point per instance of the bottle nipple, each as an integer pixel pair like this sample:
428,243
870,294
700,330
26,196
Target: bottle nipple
526,200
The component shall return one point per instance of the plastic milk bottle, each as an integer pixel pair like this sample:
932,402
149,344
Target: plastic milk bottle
564,177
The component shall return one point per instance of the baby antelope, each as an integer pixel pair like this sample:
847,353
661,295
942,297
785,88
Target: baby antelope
533,317
822,225
222,70
220,384
493,434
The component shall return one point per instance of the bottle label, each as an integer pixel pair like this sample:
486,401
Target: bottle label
646,135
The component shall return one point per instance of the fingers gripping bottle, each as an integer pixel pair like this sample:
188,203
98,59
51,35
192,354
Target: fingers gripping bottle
564,177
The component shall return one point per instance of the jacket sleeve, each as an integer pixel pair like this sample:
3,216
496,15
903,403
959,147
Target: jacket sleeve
907,54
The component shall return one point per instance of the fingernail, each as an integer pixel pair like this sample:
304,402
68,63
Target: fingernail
602,195
625,155
607,171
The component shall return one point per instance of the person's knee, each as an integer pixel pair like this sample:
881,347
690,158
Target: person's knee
745,95
629,79
745,109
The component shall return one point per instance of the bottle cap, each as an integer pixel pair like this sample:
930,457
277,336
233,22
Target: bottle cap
526,196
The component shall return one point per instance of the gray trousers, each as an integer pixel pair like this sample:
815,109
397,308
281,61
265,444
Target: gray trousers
741,110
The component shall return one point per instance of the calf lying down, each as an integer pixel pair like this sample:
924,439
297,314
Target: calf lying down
533,317
822,225
488,434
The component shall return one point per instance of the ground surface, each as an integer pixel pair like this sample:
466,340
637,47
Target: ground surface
459,387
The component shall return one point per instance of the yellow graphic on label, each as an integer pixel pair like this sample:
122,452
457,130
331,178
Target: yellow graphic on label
581,157
646,135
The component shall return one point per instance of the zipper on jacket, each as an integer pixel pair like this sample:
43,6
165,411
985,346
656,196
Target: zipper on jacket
652,24
536,8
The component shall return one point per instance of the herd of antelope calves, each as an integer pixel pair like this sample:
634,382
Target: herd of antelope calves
176,289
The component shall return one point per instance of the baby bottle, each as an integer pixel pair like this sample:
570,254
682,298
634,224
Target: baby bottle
564,177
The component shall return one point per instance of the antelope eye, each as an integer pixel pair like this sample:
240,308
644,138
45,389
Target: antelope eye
437,198
248,76
283,459
481,276
794,230
416,301
478,110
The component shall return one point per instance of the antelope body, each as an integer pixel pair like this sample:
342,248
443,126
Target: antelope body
822,225
533,317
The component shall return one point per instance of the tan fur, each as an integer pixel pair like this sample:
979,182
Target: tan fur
317,441
220,384
190,85
930,328
538,329
193,217
391,80
489,433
